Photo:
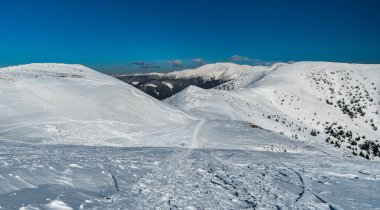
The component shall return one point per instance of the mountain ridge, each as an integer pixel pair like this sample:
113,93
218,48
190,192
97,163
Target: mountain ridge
74,104
164,85
303,100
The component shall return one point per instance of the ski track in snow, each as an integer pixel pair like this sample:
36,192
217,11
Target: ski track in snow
182,182
173,178
43,176
196,141
195,178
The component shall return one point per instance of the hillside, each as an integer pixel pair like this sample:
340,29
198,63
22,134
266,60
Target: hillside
72,104
219,71
335,103
73,138
219,75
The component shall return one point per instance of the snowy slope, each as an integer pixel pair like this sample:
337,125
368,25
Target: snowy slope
220,71
227,76
248,76
42,105
313,101
60,103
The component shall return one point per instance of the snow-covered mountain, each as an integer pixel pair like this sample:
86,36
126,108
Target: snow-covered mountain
333,102
219,75
220,71
212,154
73,104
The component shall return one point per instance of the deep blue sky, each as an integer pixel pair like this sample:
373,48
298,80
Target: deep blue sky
112,35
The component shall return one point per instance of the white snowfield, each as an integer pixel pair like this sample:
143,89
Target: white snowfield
73,138
311,101
220,71
236,75
72,104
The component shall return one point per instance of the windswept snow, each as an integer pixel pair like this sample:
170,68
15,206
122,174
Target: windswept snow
72,104
318,101
73,138
36,176
220,71
57,205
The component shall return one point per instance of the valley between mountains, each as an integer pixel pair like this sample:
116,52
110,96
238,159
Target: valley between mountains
223,136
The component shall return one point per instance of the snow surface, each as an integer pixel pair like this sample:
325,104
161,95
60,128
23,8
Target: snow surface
151,85
73,138
168,84
36,177
72,104
240,74
292,99
219,71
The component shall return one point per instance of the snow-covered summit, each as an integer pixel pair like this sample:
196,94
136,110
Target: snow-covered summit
217,71
74,104
225,76
57,103
221,71
35,70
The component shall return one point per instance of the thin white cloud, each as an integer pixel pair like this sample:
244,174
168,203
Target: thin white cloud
144,65
175,63
252,61
239,58
198,61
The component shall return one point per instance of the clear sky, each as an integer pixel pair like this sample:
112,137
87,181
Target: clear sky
117,36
